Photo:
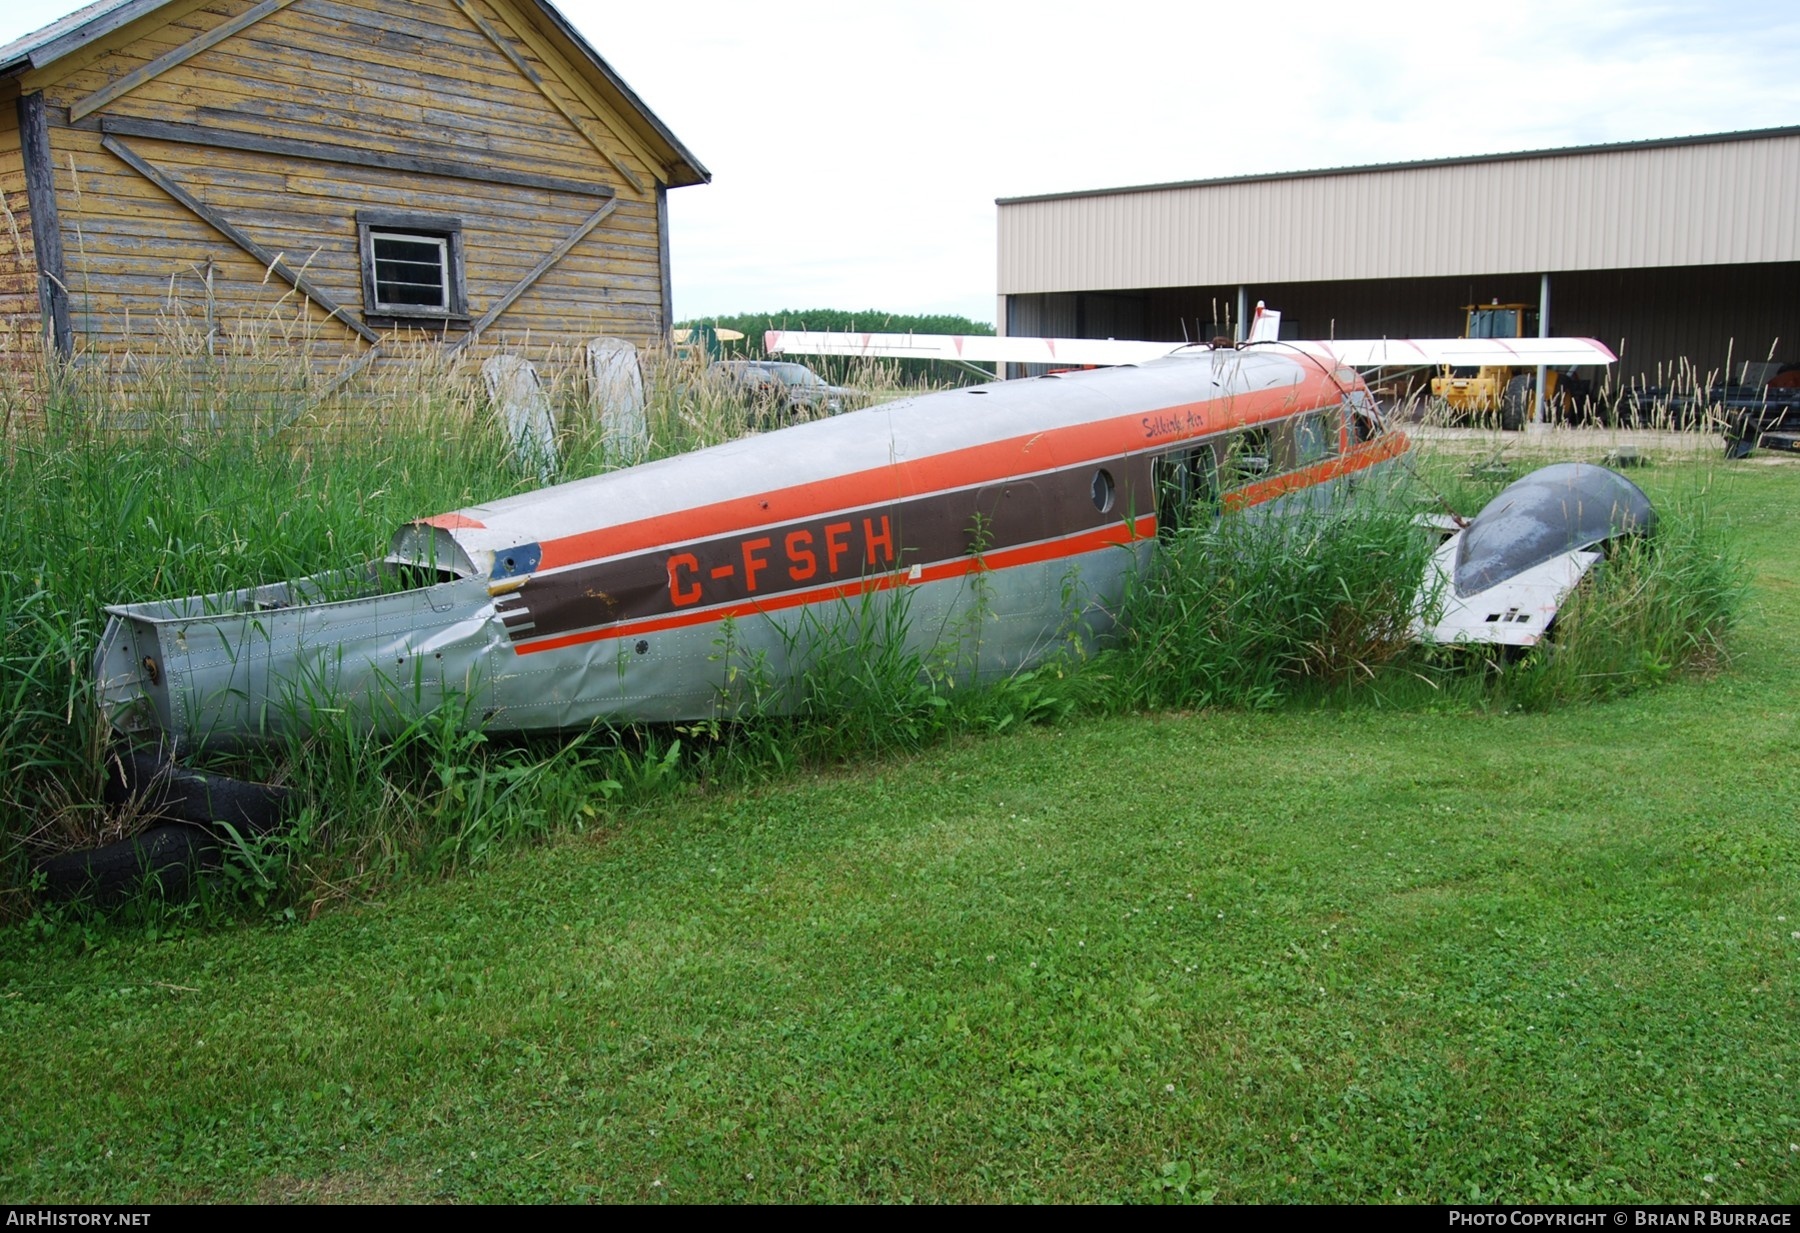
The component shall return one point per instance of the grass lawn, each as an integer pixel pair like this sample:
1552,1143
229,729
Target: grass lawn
1365,954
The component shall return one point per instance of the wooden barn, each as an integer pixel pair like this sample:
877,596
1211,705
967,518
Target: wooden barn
447,172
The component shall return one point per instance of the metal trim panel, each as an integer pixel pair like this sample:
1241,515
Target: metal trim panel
1751,134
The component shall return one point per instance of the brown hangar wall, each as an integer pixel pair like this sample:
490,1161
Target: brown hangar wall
266,144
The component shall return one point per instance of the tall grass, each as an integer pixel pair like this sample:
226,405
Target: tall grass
122,483
1677,397
1656,606
860,683
101,515
1240,610
125,480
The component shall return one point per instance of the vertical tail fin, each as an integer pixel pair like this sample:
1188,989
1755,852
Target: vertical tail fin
1265,326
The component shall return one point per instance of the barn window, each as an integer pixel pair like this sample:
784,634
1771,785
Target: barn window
412,267
411,271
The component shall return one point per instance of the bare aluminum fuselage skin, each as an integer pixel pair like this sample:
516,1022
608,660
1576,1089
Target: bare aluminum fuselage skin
1003,520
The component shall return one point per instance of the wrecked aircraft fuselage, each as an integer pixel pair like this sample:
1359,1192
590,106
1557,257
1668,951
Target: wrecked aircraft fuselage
1015,509
1503,578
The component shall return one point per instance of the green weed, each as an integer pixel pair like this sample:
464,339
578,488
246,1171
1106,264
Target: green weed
1239,610
1658,605
130,483
129,480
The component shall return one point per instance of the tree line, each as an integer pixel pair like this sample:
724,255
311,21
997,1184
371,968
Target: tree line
874,321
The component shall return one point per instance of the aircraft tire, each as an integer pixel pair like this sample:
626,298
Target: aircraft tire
146,779
166,861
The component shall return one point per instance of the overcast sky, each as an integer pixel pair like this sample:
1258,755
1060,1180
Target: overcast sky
857,149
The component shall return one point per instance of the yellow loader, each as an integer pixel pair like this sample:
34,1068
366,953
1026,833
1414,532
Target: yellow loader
1479,392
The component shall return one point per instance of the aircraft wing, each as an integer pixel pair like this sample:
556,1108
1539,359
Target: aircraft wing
1360,353
969,348
1473,352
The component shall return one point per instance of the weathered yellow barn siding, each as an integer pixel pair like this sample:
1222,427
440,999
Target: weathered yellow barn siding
413,79
108,48
21,334
136,262
131,250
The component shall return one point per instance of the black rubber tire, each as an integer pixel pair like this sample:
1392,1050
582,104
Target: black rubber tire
165,861
1515,402
147,780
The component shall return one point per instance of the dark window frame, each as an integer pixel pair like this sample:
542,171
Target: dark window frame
1185,484
1324,427
440,227
1252,454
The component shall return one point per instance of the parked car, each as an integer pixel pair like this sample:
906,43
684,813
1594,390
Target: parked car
782,387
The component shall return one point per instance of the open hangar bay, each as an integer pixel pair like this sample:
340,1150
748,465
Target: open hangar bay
1682,254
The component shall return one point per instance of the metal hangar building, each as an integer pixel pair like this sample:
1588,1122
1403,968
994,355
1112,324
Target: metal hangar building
1683,254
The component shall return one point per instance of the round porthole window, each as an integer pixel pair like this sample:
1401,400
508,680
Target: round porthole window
1103,491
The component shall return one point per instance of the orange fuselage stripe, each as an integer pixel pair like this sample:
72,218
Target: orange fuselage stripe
1366,455
1360,458
1026,554
993,460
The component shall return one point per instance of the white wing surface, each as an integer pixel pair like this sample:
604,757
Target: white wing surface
1361,353
970,348
1409,352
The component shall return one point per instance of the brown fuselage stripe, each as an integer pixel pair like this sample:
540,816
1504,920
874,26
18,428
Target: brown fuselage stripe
1075,545
836,548
848,552
954,469
1361,457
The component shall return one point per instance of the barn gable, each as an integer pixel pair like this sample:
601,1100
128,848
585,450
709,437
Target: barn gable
360,170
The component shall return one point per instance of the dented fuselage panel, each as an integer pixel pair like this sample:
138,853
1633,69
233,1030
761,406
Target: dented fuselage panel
1007,516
